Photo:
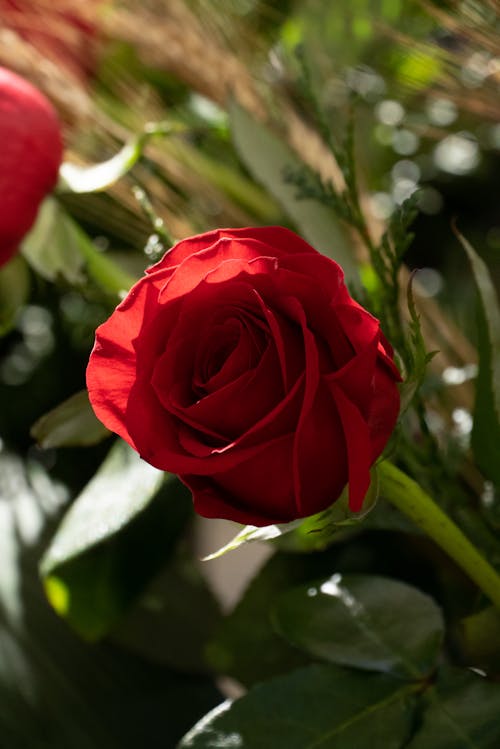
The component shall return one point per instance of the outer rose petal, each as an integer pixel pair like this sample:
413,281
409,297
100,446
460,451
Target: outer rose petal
281,240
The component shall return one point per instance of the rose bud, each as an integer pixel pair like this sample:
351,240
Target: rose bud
241,363
30,157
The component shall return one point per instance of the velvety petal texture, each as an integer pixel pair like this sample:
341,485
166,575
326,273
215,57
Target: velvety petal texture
30,157
241,363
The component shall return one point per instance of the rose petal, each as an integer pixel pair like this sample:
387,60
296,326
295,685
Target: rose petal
359,449
112,368
283,241
260,489
250,397
321,455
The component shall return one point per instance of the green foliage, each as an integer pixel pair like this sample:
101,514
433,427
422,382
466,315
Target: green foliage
55,690
57,247
14,292
461,712
486,429
364,621
115,536
318,706
71,423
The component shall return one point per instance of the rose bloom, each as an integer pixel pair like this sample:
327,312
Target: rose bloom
241,363
30,157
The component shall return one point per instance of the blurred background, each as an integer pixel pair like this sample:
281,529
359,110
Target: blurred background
424,78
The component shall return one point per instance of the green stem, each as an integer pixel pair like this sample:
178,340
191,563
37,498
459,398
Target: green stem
410,499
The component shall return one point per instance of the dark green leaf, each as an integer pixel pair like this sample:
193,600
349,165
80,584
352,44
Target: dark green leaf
247,646
364,621
316,707
113,539
463,713
14,291
71,423
486,428
267,158
55,690
173,619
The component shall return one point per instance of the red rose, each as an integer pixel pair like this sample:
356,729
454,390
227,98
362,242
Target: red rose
30,156
241,363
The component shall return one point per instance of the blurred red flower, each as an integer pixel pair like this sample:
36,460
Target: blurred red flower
30,156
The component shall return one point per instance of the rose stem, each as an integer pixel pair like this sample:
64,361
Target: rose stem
411,500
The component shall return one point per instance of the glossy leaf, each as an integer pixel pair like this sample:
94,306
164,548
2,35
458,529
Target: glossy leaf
55,690
267,157
112,541
463,713
71,423
486,427
246,645
14,291
364,621
318,706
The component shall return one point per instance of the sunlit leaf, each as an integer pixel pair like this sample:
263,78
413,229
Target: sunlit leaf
365,621
55,690
80,179
71,423
112,541
318,706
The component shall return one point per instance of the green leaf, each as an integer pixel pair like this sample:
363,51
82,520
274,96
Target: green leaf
58,247
165,625
79,179
14,291
55,690
486,427
50,247
112,541
318,706
364,621
463,713
71,423
246,645
267,158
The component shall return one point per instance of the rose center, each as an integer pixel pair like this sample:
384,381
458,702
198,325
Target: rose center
228,349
